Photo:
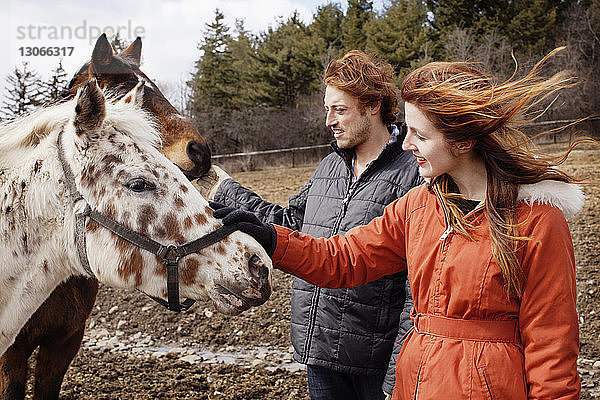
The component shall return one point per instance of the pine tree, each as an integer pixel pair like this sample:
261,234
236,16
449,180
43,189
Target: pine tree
528,25
243,62
213,83
448,14
289,64
401,36
53,88
359,13
117,43
531,30
24,92
475,17
327,25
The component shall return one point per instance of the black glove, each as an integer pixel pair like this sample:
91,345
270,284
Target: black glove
263,232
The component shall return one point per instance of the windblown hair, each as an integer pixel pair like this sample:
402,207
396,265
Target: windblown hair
370,82
465,104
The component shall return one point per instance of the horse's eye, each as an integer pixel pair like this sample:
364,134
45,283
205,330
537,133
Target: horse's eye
140,185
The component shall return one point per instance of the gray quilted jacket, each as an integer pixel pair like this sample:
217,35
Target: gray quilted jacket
357,330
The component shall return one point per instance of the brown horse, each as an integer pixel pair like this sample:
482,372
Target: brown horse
57,327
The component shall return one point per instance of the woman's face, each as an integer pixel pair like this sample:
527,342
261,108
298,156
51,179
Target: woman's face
431,150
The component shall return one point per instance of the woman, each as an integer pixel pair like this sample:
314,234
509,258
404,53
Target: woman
485,241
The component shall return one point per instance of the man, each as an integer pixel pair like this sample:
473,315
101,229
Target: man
348,338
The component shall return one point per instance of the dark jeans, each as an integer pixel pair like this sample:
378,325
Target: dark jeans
327,384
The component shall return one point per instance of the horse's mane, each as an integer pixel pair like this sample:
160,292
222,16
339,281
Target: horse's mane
28,131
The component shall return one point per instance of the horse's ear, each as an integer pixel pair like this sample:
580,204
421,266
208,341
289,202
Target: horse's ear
102,54
135,95
134,51
90,109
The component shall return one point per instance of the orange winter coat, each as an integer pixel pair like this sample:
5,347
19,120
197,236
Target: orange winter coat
470,341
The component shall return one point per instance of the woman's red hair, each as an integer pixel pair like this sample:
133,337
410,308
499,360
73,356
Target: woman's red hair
465,104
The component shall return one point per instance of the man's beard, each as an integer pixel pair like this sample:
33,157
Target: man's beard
356,133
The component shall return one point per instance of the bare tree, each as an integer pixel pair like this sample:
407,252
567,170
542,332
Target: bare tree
24,90
458,45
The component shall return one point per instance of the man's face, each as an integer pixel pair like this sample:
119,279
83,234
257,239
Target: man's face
347,119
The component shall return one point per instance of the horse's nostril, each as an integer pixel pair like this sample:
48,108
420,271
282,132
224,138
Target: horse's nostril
258,269
200,155
194,148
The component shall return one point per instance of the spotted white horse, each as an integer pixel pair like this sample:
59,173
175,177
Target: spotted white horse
110,169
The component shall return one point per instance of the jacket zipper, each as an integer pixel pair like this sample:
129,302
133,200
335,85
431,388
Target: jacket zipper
314,302
446,215
445,234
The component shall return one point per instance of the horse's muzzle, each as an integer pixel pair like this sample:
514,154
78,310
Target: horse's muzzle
261,282
233,297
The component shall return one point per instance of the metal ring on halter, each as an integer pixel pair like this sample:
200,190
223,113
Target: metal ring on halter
168,250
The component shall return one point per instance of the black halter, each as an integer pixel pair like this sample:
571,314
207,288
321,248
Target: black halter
170,254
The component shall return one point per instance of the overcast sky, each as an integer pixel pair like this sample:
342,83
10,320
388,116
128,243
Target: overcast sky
170,29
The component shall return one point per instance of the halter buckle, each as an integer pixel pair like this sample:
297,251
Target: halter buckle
171,250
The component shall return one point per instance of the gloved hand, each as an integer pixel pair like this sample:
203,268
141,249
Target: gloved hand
387,396
263,232
208,184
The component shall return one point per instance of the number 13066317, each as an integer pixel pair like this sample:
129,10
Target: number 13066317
51,51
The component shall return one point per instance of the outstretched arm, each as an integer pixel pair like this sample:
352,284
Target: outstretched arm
362,255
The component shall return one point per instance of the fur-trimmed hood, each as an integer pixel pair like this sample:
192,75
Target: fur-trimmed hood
568,197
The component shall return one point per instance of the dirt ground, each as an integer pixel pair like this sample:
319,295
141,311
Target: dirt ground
134,349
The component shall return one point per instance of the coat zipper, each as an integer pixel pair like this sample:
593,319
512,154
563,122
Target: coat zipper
314,302
417,385
446,232
449,228
446,215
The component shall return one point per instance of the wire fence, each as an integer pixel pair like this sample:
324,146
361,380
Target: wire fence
559,131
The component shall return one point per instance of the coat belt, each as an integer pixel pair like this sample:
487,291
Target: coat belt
506,331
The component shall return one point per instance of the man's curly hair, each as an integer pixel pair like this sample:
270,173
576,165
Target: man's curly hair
370,82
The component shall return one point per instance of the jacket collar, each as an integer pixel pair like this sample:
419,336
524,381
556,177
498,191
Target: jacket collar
567,197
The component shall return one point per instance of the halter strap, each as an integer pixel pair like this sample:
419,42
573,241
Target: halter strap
76,197
170,254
